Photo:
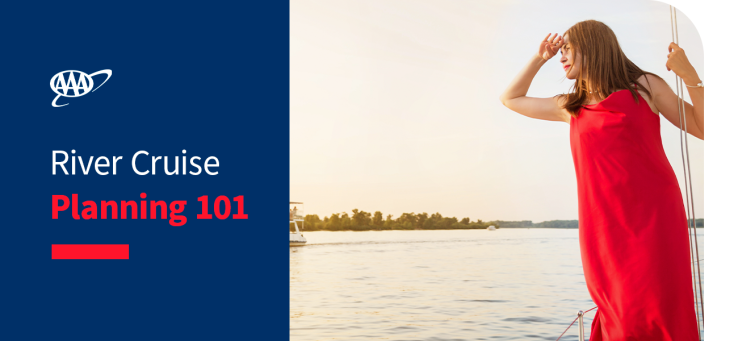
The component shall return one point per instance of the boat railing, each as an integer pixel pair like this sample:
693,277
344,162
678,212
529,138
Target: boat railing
296,215
580,319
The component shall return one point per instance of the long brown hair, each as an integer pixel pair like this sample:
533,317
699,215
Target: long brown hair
605,68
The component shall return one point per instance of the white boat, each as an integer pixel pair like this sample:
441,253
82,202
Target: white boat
296,214
492,228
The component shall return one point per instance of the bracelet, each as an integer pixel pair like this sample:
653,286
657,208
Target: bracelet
699,85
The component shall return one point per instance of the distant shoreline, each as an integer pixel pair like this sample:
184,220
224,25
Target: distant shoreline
365,221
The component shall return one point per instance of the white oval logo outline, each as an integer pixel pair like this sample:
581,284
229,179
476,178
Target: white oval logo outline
83,82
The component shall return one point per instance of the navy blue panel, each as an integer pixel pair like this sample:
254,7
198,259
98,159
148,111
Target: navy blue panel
205,77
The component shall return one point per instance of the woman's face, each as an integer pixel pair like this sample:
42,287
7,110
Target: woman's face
571,68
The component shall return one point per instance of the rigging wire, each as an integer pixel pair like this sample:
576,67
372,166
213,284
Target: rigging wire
693,247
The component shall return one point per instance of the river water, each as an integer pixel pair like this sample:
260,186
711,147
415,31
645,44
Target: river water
509,284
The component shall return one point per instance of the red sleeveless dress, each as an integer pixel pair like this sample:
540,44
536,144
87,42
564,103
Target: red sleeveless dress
632,224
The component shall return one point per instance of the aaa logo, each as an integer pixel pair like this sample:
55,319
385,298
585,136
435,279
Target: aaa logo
73,83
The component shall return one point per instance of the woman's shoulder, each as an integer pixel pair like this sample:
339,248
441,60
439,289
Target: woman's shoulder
654,86
652,83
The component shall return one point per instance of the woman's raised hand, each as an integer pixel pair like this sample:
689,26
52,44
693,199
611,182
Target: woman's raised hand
677,61
549,46
516,97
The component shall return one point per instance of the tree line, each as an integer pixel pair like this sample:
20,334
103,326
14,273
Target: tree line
365,221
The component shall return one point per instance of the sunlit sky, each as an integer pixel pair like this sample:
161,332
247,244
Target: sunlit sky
394,104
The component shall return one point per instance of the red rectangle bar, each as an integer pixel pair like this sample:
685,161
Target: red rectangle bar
89,251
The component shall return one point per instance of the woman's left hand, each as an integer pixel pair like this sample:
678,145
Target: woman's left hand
677,61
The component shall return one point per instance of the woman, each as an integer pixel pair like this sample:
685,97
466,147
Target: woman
632,224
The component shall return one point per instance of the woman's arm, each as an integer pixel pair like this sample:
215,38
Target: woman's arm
667,101
515,97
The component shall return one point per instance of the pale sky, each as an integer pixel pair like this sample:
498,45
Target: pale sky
394,104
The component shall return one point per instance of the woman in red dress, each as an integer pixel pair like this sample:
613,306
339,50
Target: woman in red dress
632,222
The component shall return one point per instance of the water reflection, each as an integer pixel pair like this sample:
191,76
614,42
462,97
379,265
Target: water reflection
508,284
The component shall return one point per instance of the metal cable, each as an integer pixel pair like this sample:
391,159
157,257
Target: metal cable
672,15
693,247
